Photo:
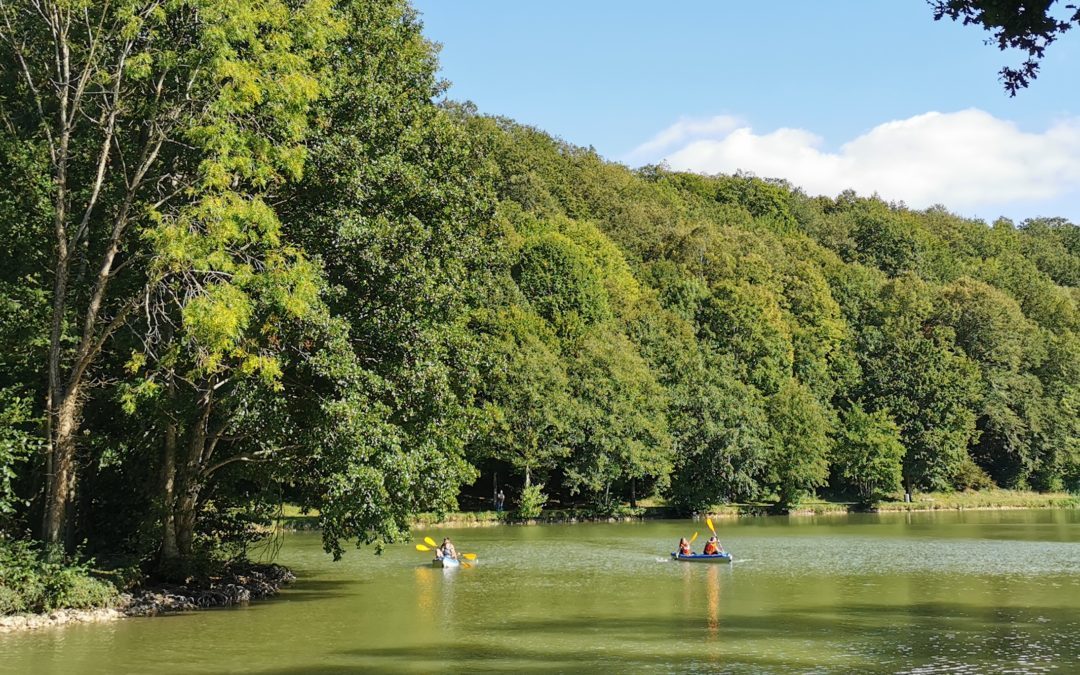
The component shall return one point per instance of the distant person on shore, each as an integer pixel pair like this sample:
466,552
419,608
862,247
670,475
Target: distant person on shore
712,547
500,499
684,547
447,550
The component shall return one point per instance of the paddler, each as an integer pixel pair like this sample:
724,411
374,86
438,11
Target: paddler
684,547
712,547
446,550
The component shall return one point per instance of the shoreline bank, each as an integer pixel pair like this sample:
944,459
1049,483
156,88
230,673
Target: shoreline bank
998,500
239,585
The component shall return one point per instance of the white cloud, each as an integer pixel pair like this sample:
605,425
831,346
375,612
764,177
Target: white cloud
679,132
964,160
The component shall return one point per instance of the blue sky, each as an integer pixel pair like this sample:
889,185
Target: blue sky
871,95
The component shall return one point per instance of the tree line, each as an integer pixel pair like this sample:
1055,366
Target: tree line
249,257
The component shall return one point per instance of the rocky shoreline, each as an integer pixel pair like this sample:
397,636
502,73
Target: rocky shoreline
242,583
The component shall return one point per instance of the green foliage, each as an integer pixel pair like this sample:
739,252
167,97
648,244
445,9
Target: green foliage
869,454
767,201
886,239
722,437
531,501
331,288
17,443
561,284
524,396
802,446
912,369
32,582
619,427
746,322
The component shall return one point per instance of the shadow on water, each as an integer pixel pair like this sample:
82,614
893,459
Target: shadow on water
316,589
928,638
480,658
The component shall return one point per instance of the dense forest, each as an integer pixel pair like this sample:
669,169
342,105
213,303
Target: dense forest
250,256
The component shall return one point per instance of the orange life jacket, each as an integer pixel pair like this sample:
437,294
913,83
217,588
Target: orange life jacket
710,549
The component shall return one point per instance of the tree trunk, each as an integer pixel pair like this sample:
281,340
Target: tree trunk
633,493
185,518
60,484
181,486
169,549
191,480
528,477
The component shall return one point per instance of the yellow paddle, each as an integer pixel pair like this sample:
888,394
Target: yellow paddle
708,521
430,542
467,556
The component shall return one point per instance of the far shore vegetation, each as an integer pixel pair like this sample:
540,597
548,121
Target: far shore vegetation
992,499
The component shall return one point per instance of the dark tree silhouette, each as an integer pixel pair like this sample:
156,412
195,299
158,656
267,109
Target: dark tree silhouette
1027,25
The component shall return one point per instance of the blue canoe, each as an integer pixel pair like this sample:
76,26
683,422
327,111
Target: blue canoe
445,562
697,557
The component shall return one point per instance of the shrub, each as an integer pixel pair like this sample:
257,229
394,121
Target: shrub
531,502
29,582
970,476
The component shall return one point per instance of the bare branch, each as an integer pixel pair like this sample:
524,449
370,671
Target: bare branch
103,156
254,456
24,67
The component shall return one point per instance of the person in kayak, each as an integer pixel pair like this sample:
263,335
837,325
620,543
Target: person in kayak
447,550
712,547
684,547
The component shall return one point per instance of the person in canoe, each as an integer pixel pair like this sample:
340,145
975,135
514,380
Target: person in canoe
712,547
684,547
446,550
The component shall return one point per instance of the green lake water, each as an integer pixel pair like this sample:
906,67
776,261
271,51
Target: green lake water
974,592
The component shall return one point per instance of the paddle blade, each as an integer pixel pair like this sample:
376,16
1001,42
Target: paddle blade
708,521
693,538
469,556
421,547
430,542
466,565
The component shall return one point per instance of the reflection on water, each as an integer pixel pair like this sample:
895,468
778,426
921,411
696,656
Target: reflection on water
910,593
713,587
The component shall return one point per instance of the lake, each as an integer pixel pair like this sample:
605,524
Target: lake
955,592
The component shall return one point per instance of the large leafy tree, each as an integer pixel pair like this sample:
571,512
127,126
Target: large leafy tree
869,454
619,429
912,368
992,331
147,115
524,397
561,283
746,322
721,436
799,462
222,338
396,205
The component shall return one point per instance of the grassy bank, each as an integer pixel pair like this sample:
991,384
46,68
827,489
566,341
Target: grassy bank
557,515
985,499
657,508
921,501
